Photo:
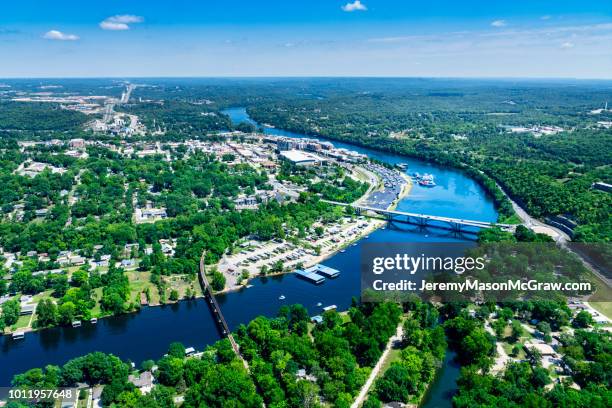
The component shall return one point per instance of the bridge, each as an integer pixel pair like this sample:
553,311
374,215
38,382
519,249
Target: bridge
424,220
214,307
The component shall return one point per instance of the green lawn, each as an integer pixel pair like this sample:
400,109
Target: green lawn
600,300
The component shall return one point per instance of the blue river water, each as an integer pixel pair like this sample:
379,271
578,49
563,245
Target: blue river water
147,334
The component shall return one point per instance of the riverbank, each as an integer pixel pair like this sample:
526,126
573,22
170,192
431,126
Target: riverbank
349,234
440,158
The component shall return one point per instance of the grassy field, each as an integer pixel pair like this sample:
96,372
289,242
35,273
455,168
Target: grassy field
182,283
601,299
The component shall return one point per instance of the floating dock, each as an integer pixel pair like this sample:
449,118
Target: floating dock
310,276
323,270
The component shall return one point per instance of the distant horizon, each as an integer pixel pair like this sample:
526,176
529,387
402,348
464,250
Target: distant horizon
486,78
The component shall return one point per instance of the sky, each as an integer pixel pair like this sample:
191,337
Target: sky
403,38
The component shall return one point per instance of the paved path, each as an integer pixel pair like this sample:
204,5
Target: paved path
368,384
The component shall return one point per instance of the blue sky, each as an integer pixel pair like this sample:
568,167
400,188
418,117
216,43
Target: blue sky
449,38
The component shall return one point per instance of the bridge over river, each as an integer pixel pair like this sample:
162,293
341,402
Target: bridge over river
216,309
424,220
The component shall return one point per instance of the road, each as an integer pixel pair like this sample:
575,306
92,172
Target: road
374,374
559,236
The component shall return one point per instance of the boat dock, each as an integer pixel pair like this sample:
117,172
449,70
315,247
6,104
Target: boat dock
323,270
310,276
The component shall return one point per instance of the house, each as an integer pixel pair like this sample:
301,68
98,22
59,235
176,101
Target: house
71,399
316,319
143,381
128,263
76,260
543,348
27,309
77,143
302,375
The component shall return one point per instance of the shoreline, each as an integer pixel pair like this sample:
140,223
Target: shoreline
373,225
99,318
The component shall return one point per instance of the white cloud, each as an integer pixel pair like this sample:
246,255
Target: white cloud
499,23
546,17
567,45
120,22
58,35
109,25
354,6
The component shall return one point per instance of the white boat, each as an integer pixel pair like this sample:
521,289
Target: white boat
343,250
93,320
76,323
330,307
282,297
319,304
18,335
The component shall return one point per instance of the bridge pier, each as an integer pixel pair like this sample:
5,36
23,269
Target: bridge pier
455,227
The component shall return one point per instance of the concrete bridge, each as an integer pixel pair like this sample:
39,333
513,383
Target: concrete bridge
214,306
424,220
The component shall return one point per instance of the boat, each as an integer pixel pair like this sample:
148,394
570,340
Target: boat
427,183
354,244
330,307
367,236
402,166
343,250
76,323
93,320
18,335
319,304
427,180
282,297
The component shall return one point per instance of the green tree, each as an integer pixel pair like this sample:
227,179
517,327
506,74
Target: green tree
170,370
176,349
46,313
66,313
10,311
218,281
582,320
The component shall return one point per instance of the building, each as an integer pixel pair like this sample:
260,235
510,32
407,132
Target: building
543,348
600,185
77,143
323,270
316,319
144,381
309,276
300,158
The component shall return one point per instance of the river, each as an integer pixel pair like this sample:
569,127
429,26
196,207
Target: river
147,334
